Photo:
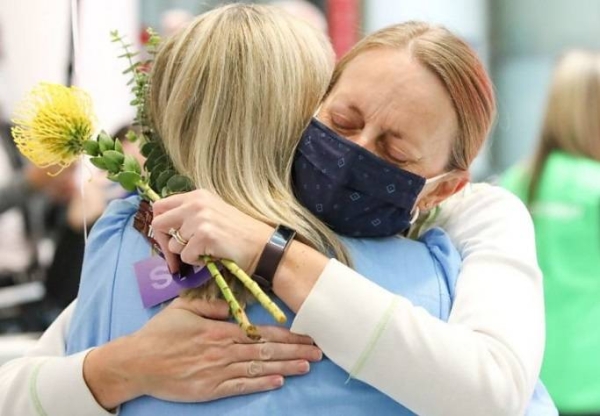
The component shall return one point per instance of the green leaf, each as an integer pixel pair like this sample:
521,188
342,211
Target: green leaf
164,177
179,183
148,148
114,156
131,165
105,141
129,180
113,161
99,162
131,136
155,159
118,146
91,148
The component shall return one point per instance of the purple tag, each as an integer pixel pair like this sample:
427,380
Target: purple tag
157,285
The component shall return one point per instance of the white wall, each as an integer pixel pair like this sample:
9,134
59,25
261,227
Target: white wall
99,71
34,41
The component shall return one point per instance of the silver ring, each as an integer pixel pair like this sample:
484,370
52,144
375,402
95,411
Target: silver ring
175,234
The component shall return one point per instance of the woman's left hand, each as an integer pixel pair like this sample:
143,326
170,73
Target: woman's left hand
211,227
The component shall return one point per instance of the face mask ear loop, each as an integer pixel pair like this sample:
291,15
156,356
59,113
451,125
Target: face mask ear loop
415,215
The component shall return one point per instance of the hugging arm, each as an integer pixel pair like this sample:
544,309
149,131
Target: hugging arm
484,361
45,381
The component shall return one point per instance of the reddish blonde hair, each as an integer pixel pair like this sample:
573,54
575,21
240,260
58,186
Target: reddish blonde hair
459,69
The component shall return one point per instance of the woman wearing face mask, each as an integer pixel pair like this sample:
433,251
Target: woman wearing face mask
408,103
423,274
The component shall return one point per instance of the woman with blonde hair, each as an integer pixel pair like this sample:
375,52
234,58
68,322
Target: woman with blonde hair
414,105
406,113
560,187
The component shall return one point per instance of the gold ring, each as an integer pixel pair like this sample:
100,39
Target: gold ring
175,234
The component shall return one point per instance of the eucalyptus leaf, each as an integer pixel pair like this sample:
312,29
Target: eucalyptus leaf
105,141
129,180
147,148
179,183
156,161
164,177
91,148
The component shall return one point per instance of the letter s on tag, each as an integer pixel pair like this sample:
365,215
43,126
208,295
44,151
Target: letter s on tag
160,277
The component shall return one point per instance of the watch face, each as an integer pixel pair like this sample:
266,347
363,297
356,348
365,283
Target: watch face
282,236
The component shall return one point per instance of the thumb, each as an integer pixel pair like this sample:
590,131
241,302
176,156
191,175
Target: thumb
211,309
172,259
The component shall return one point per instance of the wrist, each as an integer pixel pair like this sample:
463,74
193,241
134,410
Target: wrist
109,372
260,237
271,256
299,270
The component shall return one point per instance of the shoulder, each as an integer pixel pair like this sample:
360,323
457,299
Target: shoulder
484,212
481,202
113,220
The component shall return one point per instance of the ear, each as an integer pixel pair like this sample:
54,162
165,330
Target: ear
438,192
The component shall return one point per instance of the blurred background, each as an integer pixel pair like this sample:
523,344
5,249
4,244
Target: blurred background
519,40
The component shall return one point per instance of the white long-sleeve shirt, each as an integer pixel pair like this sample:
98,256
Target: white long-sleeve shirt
45,382
484,361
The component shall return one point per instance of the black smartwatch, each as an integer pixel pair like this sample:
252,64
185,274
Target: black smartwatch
271,256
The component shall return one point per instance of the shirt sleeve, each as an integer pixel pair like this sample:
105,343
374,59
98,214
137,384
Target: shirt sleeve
486,359
45,381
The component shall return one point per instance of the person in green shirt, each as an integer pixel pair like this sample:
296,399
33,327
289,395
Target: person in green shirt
561,187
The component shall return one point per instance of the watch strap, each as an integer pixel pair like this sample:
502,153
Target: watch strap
271,256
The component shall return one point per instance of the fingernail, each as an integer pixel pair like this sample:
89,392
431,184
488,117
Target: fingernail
303,367
173,271
317,355
278,382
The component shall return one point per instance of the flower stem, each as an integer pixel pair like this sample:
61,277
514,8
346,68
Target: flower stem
147,191
255,289
236,310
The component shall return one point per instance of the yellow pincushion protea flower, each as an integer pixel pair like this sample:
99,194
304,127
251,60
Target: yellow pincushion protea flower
52,123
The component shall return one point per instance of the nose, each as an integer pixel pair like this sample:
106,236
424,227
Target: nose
366,139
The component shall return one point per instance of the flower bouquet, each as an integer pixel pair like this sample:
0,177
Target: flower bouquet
55,126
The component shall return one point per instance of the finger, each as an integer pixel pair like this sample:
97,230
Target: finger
211,309
239,386
283,335
252,369
174,246
172,219
195,250
173,201
270,351
171,258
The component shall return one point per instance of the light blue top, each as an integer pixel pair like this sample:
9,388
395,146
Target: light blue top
110,306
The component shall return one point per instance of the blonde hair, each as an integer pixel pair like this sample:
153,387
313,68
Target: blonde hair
572,120
456,65
230,97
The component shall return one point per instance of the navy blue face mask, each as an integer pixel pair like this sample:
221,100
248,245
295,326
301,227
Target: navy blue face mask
354,192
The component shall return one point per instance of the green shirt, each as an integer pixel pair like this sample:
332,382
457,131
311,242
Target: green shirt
566,215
